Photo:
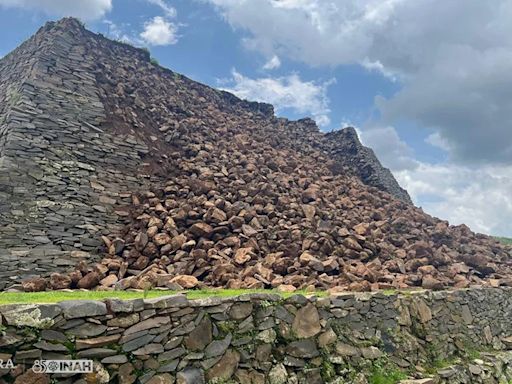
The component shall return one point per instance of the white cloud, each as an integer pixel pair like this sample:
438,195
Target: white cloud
159,31
392,151
453,58
376,66
318,32
478,197
83,9
436,140
272,63
287,92
169,11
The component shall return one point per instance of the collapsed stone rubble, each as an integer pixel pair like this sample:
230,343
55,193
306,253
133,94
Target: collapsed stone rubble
118,173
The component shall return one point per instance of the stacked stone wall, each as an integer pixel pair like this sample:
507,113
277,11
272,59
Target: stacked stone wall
446,337
65,178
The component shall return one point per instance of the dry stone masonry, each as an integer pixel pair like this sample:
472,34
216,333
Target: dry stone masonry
115,172
424,337
62,177
346,148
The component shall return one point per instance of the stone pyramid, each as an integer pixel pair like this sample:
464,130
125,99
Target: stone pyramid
96,141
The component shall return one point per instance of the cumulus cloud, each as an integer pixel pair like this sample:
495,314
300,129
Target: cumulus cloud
392,151
318,32
453,57
478,197
156,31
376,66
159,31
287,92
83,9
272,63
466,96
437,141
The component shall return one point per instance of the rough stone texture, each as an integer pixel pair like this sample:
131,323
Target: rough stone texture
345,147
175,184
63,175
306,322
256,338
87,125
82,308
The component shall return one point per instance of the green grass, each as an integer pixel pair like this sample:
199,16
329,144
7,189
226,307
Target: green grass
386,376
56,296
383,371
504,240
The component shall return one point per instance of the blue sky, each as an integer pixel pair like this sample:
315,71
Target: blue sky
433,99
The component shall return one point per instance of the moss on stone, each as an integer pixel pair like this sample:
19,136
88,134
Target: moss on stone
31,319
221,381
327,369
226,327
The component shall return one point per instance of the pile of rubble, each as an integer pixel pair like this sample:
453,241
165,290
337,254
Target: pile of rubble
295,232
248,200
242,214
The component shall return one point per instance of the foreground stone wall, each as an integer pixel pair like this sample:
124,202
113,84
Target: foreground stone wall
264,338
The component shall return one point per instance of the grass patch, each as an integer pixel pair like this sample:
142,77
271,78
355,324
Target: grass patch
382,376
56,296
504,240
384,371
